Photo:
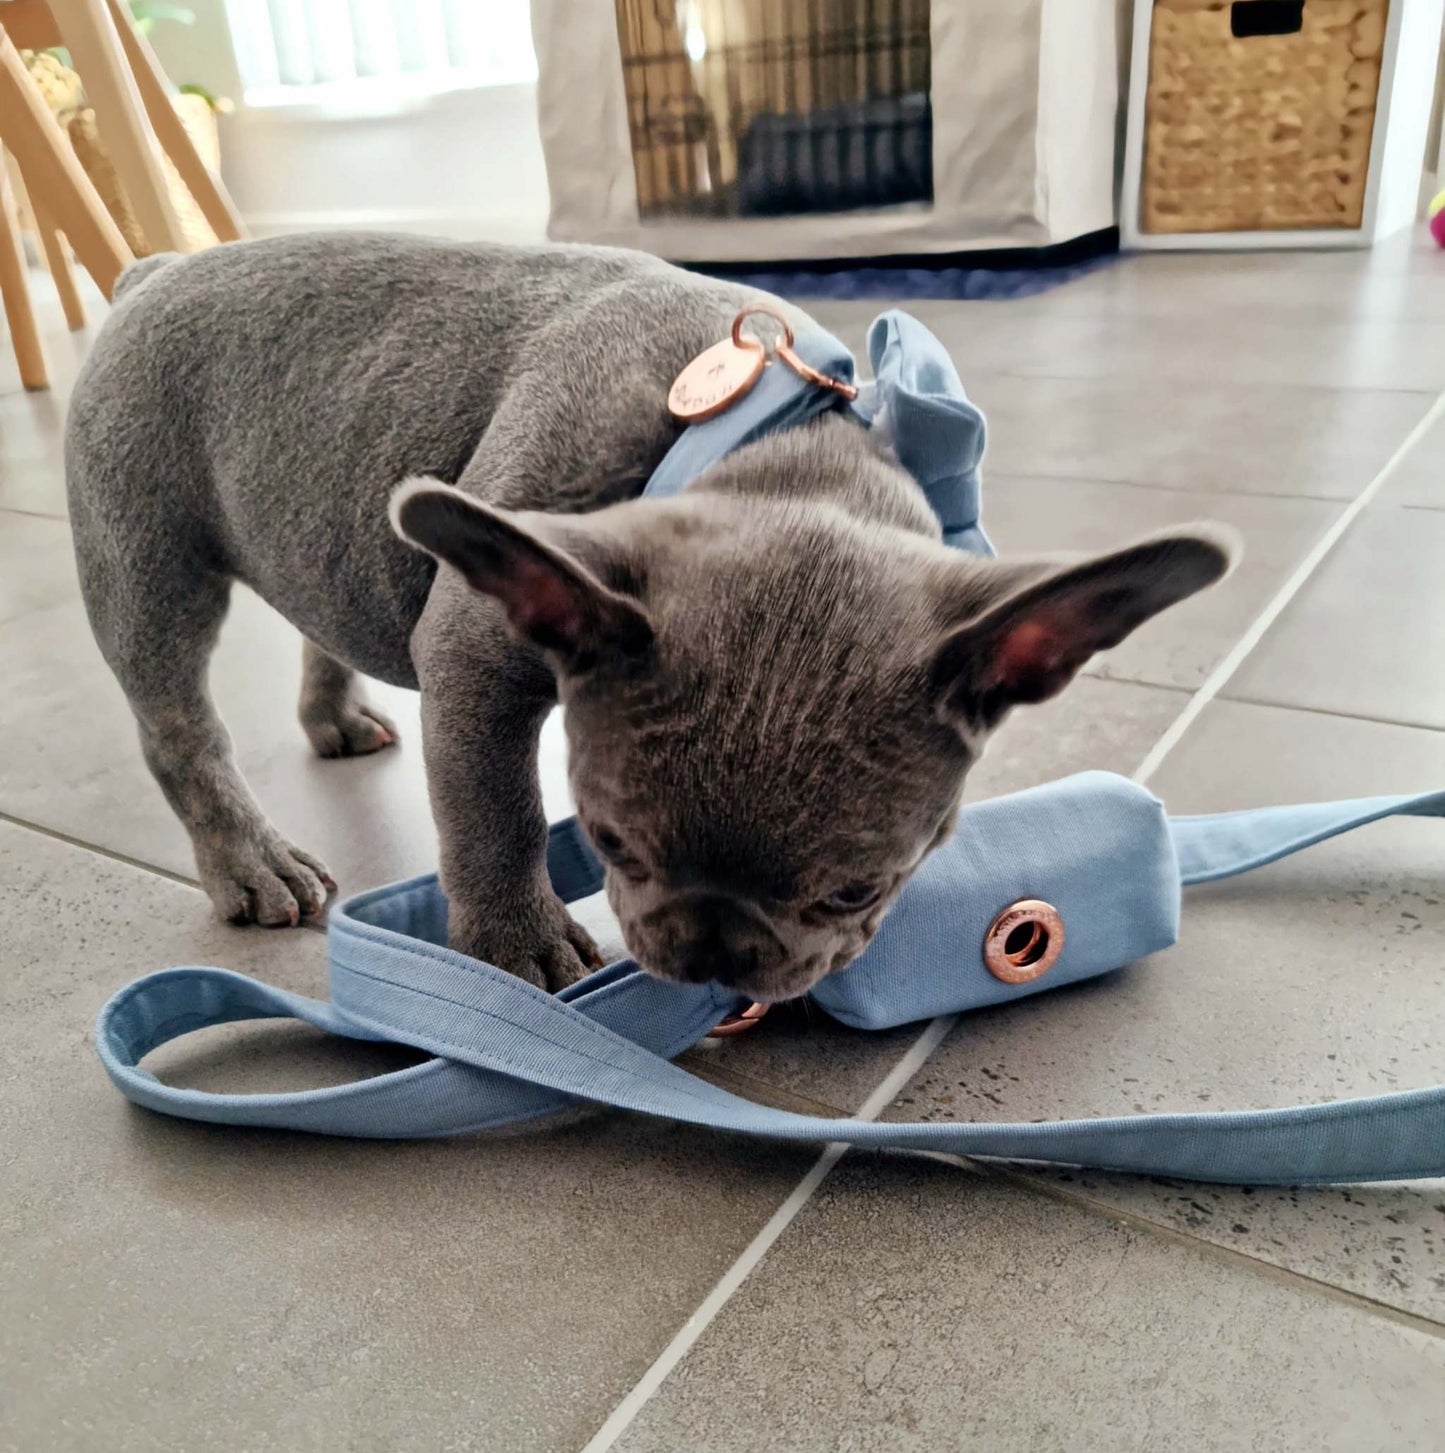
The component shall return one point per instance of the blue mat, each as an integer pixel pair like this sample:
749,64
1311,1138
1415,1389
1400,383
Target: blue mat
904,284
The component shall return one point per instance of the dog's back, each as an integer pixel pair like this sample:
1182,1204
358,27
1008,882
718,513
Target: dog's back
139,271
253,406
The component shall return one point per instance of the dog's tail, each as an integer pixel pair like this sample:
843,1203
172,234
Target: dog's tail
138,272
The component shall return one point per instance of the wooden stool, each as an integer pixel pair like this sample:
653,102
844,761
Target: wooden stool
60,191
19,313
127,91
62,273
126,88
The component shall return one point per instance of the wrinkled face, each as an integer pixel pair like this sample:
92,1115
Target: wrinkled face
759,800
771,701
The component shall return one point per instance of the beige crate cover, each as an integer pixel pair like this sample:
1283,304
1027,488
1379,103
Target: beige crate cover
1025,97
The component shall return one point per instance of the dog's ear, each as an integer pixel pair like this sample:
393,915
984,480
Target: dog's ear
552,600
1028,646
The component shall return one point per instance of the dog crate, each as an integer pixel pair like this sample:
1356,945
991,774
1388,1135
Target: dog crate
753,130
758,108
1265,120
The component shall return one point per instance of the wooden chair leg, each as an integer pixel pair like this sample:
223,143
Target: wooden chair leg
94,45
211,196
62,272
15,289
55,181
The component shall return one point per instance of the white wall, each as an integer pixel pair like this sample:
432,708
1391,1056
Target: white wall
465,164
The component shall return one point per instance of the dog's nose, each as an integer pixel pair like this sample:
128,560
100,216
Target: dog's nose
722,948
715,963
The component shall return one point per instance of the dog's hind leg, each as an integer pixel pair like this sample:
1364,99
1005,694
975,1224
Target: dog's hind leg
156,605
334,714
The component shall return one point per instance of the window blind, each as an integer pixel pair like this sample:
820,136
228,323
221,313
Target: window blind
286,46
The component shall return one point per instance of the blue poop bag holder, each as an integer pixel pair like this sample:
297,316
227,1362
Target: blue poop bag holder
1038,889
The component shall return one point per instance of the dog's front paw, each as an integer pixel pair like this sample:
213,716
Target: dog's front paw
263,880
537,941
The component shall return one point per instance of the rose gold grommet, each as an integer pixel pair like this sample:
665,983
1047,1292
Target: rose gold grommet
1024,941
738,1023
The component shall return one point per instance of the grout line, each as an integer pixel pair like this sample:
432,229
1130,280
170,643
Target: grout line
626,1411
750,1087
1089,674
101,852
1222,673
1293,385
1041,1184
317,925
1148,1226
1032,476
1390,721
34,514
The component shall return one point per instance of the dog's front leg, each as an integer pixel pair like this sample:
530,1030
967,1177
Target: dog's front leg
483,700
568,437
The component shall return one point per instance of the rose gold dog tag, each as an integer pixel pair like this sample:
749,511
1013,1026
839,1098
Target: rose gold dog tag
720,375
716,377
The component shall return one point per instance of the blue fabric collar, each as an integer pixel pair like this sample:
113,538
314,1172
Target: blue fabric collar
915,399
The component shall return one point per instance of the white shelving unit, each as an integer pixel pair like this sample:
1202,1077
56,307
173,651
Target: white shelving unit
1397,145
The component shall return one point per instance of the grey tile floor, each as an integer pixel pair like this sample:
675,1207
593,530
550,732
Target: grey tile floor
167,1286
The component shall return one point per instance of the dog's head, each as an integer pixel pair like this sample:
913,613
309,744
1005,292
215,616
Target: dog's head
771,705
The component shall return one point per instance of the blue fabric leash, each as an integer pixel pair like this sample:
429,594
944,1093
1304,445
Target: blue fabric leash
1096,846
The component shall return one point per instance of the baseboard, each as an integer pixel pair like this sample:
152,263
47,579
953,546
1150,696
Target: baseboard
467,226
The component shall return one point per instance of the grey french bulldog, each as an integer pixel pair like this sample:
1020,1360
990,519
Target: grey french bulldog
773,685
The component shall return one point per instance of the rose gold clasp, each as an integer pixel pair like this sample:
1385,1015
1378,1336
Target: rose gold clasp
1024,941
785,351
739,1023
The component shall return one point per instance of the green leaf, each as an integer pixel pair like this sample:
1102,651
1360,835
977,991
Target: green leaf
201,91
147,13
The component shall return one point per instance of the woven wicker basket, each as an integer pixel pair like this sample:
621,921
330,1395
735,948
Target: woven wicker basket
1264,132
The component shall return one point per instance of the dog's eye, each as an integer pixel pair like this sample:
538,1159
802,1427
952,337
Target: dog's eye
853,899
614,850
